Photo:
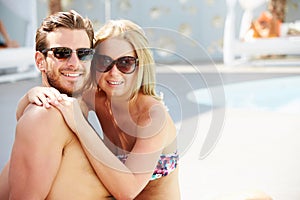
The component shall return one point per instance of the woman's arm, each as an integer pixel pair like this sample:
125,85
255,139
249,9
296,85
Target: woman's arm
124,181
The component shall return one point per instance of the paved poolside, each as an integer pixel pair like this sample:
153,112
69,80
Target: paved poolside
257,150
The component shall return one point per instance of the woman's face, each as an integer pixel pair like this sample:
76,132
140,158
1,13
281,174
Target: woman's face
114,82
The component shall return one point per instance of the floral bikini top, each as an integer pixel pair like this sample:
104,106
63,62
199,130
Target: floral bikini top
165,165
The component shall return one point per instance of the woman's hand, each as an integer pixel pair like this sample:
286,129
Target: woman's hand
72,110
44,96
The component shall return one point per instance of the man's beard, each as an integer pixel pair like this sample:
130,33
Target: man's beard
71,92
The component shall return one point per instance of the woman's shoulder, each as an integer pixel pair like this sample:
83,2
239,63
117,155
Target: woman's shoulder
151,103
148,101
150,108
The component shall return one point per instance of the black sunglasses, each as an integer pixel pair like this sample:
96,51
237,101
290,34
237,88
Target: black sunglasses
125,64
63,53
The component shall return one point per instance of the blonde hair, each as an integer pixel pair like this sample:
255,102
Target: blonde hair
134,35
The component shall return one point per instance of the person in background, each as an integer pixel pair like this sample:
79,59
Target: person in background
7,43
268,24
47,159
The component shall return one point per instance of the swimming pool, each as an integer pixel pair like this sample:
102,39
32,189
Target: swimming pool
276,94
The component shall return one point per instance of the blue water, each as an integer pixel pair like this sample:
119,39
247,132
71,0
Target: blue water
276,94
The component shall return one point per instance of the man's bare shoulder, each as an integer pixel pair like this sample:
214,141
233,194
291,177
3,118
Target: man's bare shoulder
38,121
38,115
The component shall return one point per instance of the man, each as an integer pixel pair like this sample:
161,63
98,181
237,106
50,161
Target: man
47,161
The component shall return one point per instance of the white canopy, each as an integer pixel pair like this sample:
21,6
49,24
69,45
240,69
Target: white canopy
24,62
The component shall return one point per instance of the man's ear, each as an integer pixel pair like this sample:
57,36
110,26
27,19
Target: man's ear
40,61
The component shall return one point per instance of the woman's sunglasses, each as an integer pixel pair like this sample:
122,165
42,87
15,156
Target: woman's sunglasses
63,53
125,64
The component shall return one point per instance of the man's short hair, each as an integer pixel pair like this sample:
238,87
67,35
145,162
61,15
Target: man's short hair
70,20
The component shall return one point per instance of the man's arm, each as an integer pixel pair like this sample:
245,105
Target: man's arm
23,103
36,153
4,188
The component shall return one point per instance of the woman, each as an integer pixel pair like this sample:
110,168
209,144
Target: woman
137,156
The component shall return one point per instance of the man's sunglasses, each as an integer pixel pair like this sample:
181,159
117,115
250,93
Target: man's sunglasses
125,64
63,53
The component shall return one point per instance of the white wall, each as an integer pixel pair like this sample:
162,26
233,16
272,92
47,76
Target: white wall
195,28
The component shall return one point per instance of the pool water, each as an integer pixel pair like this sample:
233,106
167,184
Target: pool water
276,94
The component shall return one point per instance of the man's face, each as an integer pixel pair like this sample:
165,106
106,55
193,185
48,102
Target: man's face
67,75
